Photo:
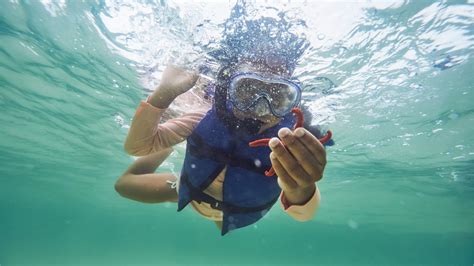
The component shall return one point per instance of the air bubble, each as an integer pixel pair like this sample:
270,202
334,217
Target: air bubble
352,224
232,227
453,116
257,163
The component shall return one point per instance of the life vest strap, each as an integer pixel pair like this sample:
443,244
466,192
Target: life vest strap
199,196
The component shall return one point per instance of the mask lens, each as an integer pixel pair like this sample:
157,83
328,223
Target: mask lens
282,97
246,91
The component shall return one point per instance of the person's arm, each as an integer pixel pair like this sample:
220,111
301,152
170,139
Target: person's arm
146,134
304,211
140,183
299,160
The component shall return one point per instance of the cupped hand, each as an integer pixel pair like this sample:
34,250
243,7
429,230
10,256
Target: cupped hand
299,163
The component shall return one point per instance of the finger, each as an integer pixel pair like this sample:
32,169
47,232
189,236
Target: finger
289,163
312,144
304,157
284,179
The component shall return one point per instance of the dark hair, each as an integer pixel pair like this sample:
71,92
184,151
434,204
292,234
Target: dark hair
274,41
220,93
265,40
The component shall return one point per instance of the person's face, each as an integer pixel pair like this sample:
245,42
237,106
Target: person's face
262,111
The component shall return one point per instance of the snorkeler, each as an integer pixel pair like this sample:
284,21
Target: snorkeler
222,176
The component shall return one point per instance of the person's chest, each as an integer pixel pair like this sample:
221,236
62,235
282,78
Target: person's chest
215,188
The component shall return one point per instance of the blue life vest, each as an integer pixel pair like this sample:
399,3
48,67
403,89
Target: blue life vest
247,193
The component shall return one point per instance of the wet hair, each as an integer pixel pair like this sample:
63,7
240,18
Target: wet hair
268,41
275,40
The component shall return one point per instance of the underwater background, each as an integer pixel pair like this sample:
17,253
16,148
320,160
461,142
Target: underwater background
393,80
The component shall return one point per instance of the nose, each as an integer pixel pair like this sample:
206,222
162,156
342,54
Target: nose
261,108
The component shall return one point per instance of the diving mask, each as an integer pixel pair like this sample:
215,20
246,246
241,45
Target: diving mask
253,92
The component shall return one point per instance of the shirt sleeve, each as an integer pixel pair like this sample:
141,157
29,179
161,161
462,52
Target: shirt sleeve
147,135
304,212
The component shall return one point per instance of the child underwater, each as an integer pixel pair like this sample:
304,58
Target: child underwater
222,176
248,146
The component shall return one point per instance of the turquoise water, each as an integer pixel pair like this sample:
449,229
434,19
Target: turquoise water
398,187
